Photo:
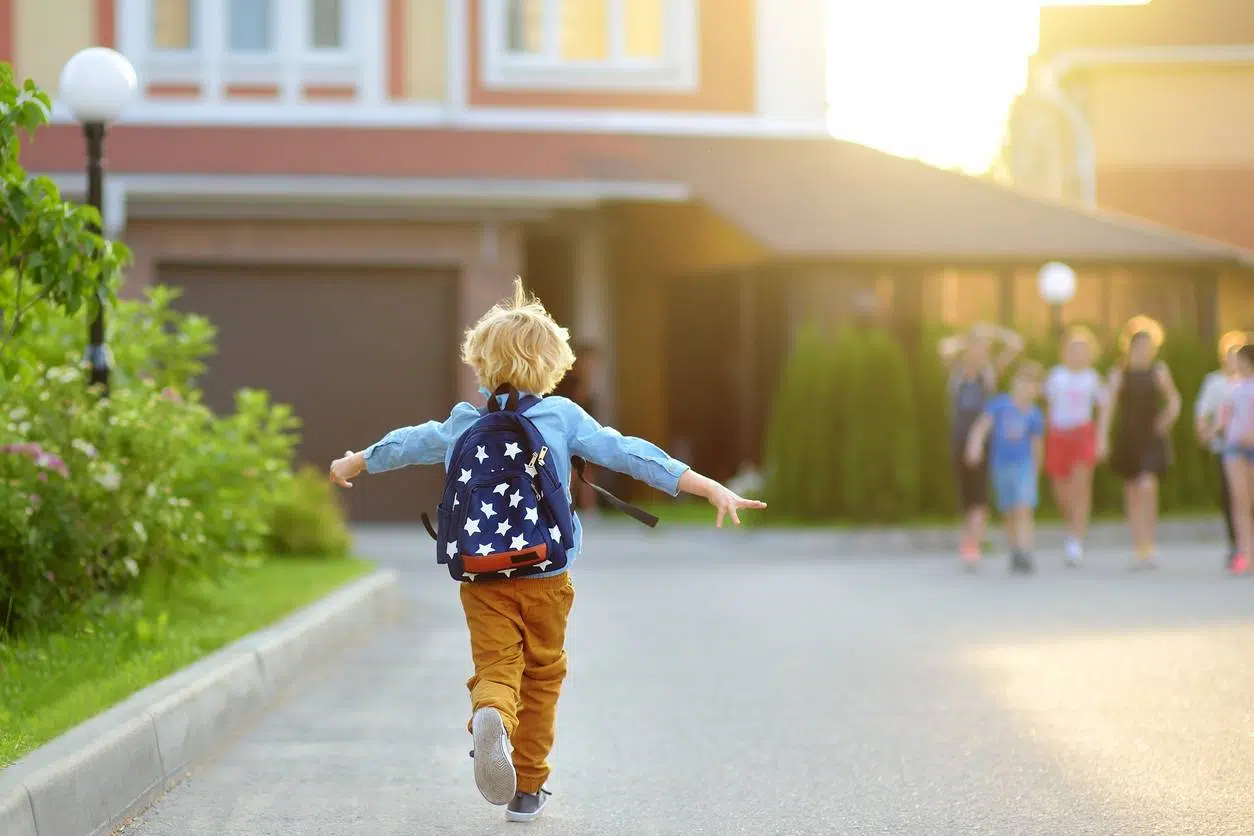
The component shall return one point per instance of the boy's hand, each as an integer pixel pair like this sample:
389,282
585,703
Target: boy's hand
728,503
342,470
1103,449
974,457
721,497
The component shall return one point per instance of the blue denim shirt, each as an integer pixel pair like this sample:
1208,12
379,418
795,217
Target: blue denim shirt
567,430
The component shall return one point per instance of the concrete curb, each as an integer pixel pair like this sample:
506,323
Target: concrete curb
89,780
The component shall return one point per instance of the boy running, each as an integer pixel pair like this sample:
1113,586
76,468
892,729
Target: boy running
1016,428
517,625
1073,391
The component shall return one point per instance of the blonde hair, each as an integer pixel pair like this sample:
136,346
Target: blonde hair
1030,370
1084,334
518,343
1232,341
1141,325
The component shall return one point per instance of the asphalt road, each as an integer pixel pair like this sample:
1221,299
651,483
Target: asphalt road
734,686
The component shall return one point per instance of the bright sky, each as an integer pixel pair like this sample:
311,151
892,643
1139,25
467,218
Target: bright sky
932,79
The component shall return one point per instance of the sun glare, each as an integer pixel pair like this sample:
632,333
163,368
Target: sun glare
932,79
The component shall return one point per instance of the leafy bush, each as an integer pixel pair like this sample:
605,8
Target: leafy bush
854,406
308,520
880,453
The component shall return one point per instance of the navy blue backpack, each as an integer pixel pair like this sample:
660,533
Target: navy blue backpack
504,513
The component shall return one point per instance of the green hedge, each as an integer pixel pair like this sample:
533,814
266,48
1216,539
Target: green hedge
859,430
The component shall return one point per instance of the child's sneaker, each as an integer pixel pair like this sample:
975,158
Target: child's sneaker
1074,552
970,553
527,805
494,770
1021,563
1240,564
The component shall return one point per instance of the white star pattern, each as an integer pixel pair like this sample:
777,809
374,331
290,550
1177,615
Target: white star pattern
472,526
481,455
457,500
514,499
500,489
533,515
503,528
556,534
451,550
508,572
488,510
519,543
465,477
471,575
544,565
484,550
512,450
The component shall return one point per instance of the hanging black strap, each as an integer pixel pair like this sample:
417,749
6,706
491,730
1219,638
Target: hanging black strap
511,399
626,507
426,522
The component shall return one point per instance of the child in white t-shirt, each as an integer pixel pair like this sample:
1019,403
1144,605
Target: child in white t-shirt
1074,391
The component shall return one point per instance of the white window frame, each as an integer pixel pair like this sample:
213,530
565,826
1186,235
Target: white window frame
675,72
291,65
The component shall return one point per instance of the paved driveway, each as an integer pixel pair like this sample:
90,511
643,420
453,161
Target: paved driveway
732,686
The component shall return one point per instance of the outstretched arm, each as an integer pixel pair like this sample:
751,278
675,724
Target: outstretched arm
977,437
640,459
1167,418
1012,347
421,444
1106,414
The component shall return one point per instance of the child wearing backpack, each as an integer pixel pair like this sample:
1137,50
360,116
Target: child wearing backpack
506,530
1017,428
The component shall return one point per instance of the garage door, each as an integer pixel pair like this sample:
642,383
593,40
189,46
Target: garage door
356,352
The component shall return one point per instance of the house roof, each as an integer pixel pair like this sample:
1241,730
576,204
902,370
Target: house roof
800,198
813,198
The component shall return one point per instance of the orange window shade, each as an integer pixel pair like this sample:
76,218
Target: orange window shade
644,34
585,33
173,24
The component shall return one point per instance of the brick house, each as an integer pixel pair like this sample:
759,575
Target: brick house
343,185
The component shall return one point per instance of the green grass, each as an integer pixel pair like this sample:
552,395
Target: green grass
53,681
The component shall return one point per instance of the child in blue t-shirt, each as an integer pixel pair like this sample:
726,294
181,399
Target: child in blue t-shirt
1017,430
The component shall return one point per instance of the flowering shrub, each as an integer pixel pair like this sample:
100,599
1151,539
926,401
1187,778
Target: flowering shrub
99,493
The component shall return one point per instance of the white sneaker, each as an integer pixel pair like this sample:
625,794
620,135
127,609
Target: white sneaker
1075,552
494,769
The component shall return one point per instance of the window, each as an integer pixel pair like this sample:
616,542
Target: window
590,43
326,24
249,25
287,45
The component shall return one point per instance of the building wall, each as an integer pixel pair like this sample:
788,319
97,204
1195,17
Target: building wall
423,62
1156,23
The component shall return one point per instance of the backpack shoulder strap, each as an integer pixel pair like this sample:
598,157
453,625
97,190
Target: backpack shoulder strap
618,504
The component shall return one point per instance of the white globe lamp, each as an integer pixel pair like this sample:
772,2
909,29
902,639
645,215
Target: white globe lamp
1056,283
97,84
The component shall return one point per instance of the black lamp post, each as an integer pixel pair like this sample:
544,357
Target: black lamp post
96,84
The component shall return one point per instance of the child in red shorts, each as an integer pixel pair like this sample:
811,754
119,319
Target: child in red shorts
1073,393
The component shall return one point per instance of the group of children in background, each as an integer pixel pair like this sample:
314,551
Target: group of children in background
1006,439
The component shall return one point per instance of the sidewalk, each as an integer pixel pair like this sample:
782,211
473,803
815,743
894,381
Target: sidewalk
862,542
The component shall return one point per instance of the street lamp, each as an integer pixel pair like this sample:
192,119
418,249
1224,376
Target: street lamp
1056,283
97,84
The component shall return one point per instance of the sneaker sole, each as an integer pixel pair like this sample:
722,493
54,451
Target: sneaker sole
511,815
494,771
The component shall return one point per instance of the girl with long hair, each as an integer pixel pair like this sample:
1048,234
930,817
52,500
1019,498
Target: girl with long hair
974,367
1210,415
1147,402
